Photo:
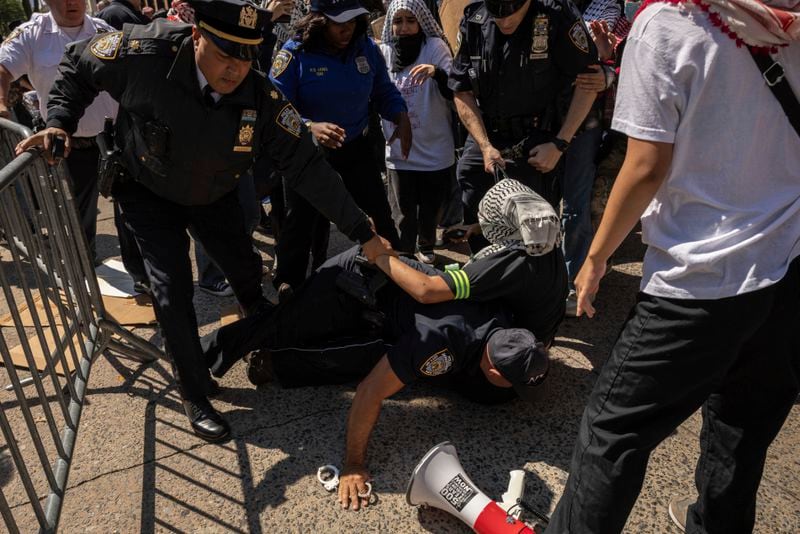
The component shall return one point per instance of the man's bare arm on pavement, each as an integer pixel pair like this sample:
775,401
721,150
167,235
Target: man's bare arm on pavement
380,383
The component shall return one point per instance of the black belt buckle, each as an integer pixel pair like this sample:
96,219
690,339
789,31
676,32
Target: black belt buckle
776,77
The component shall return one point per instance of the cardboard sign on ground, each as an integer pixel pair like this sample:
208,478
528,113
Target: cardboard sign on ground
37,351
132,311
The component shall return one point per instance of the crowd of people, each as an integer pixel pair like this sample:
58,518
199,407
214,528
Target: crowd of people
370,116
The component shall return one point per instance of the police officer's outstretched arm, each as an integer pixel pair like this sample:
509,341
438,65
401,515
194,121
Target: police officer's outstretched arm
381,383
306,171
87,68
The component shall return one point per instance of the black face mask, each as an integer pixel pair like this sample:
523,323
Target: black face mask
406,50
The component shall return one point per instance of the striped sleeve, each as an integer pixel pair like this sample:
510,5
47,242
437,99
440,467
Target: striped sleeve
458,282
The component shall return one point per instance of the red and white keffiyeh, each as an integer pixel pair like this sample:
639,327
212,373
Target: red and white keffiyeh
757,24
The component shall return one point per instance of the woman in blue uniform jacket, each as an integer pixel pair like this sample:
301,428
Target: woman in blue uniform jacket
331,71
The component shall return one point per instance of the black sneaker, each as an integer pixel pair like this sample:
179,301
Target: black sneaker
206,422
219,289
259,367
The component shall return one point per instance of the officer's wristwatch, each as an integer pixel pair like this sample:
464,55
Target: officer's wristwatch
561,145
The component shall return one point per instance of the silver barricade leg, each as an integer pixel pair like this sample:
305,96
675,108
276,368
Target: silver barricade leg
45,267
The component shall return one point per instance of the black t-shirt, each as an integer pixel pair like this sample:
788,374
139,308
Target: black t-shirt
533,288
521,74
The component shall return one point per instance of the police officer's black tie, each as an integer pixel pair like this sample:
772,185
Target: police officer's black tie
207,98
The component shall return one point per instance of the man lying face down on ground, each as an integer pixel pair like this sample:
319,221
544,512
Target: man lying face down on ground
349,323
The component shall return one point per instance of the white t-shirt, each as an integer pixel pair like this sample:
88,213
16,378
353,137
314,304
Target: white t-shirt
36,47
431,120
726,220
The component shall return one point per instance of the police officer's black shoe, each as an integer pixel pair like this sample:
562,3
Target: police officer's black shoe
259,367
205,421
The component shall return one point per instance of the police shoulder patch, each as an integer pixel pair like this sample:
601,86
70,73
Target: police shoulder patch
437,364
577,34
107,46
289,120
282,60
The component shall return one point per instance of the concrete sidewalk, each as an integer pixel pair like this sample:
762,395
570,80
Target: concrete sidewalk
138,468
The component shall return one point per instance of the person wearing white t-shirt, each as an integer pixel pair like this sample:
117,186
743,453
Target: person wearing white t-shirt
419,61
35,48
713,169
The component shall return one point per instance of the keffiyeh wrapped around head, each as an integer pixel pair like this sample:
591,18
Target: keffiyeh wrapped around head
427,23
512,214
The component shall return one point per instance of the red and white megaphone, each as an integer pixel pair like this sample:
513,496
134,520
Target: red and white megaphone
440,481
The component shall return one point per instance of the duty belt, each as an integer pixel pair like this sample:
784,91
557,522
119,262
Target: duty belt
512,127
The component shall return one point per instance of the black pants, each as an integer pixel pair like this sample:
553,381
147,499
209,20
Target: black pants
82,166
416,198
160,229
475,182
128,249
361,177
738,358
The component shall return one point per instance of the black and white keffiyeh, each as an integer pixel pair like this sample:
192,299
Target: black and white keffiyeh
427,23
512,215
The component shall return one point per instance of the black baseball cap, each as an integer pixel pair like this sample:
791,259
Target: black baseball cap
501,9
338,10
520,358
235,26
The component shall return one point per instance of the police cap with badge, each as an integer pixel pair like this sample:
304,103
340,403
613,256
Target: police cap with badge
500,9
235,26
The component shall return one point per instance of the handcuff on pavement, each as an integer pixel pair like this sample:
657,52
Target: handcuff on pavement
328,476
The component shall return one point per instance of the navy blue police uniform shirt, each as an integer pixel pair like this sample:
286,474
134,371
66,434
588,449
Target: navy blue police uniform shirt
521,74
436,340
337,88
150,70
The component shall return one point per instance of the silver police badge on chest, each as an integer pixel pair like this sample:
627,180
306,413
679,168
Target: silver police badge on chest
539,43
438,364
362,65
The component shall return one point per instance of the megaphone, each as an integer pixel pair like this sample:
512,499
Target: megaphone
440,481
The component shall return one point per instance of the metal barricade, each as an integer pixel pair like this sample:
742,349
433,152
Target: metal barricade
52,298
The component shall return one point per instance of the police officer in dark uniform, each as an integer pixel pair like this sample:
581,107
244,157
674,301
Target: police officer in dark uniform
193,116
466,346
513,58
